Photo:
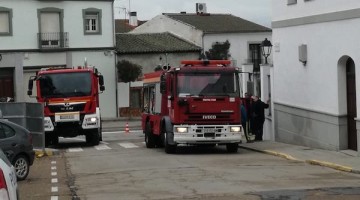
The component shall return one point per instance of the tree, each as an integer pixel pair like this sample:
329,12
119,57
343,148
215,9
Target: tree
127,71
219,51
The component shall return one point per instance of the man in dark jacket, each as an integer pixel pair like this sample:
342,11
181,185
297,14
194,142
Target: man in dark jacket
258,115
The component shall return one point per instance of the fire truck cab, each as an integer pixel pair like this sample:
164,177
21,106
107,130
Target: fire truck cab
71,102
197,103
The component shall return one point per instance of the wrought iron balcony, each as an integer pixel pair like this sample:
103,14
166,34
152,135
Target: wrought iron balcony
54,40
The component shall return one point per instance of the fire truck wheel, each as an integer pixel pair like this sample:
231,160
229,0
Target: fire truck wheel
149,137
232,147
92,138
95,138
100,132
170,149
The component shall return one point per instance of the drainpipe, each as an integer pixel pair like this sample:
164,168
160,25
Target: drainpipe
115,60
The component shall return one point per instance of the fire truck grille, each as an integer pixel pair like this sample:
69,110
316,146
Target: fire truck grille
69,108
208,118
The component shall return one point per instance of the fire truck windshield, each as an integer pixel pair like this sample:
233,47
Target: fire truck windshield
207,84
65,84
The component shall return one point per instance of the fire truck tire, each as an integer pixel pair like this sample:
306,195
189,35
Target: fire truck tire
232,147
100,132
169,148
93,137
149,137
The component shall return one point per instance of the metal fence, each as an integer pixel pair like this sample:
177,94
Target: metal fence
28,115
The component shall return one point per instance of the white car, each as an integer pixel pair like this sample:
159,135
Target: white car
8,181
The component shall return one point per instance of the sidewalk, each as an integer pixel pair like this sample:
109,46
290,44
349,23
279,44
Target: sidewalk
347,161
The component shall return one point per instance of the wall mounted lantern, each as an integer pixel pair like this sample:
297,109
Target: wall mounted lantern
266,49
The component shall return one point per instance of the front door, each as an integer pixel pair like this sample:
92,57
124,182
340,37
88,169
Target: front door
351,104
6,83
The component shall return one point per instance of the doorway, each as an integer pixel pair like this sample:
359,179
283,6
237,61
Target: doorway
351,104
7,82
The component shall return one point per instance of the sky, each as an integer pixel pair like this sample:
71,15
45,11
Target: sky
257,11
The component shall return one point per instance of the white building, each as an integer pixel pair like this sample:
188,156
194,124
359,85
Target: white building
36,34
205,29
316,73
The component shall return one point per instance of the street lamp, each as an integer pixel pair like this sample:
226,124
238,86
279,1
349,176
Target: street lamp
266,49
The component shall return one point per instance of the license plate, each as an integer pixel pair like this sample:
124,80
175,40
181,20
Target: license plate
209,130
67,117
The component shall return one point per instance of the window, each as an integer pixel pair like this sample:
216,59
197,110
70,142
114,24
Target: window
135,97
149,98
92,21
255,56
6,131
5,21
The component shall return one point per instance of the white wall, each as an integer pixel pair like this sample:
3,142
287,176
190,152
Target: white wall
123,95
314,86
283,11
162,23
25,23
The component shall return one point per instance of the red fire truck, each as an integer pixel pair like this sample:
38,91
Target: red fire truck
71,102
197,103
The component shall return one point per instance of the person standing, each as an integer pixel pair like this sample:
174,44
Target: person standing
247,103
258,115
244,121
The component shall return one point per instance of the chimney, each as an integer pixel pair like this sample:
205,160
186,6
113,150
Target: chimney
133,21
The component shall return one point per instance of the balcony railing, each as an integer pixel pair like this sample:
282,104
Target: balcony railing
54,40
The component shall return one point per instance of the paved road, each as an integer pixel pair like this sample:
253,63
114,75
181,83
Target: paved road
122,167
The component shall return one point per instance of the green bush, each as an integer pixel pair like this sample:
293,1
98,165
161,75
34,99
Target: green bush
127,71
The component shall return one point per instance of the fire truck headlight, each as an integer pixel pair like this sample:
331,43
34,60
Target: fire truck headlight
235,129
181,129
93,119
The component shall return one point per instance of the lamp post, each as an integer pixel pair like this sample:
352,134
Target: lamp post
266,49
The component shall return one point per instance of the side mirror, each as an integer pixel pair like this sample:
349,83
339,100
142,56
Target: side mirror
30,87
102,88
101,80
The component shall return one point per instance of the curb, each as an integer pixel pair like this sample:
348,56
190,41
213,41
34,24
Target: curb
333,166
283,155
312,162
273,153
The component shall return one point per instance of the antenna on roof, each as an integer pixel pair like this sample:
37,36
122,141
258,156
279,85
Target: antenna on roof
85,62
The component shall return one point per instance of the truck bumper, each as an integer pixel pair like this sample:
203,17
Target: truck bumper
86,122
207,134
